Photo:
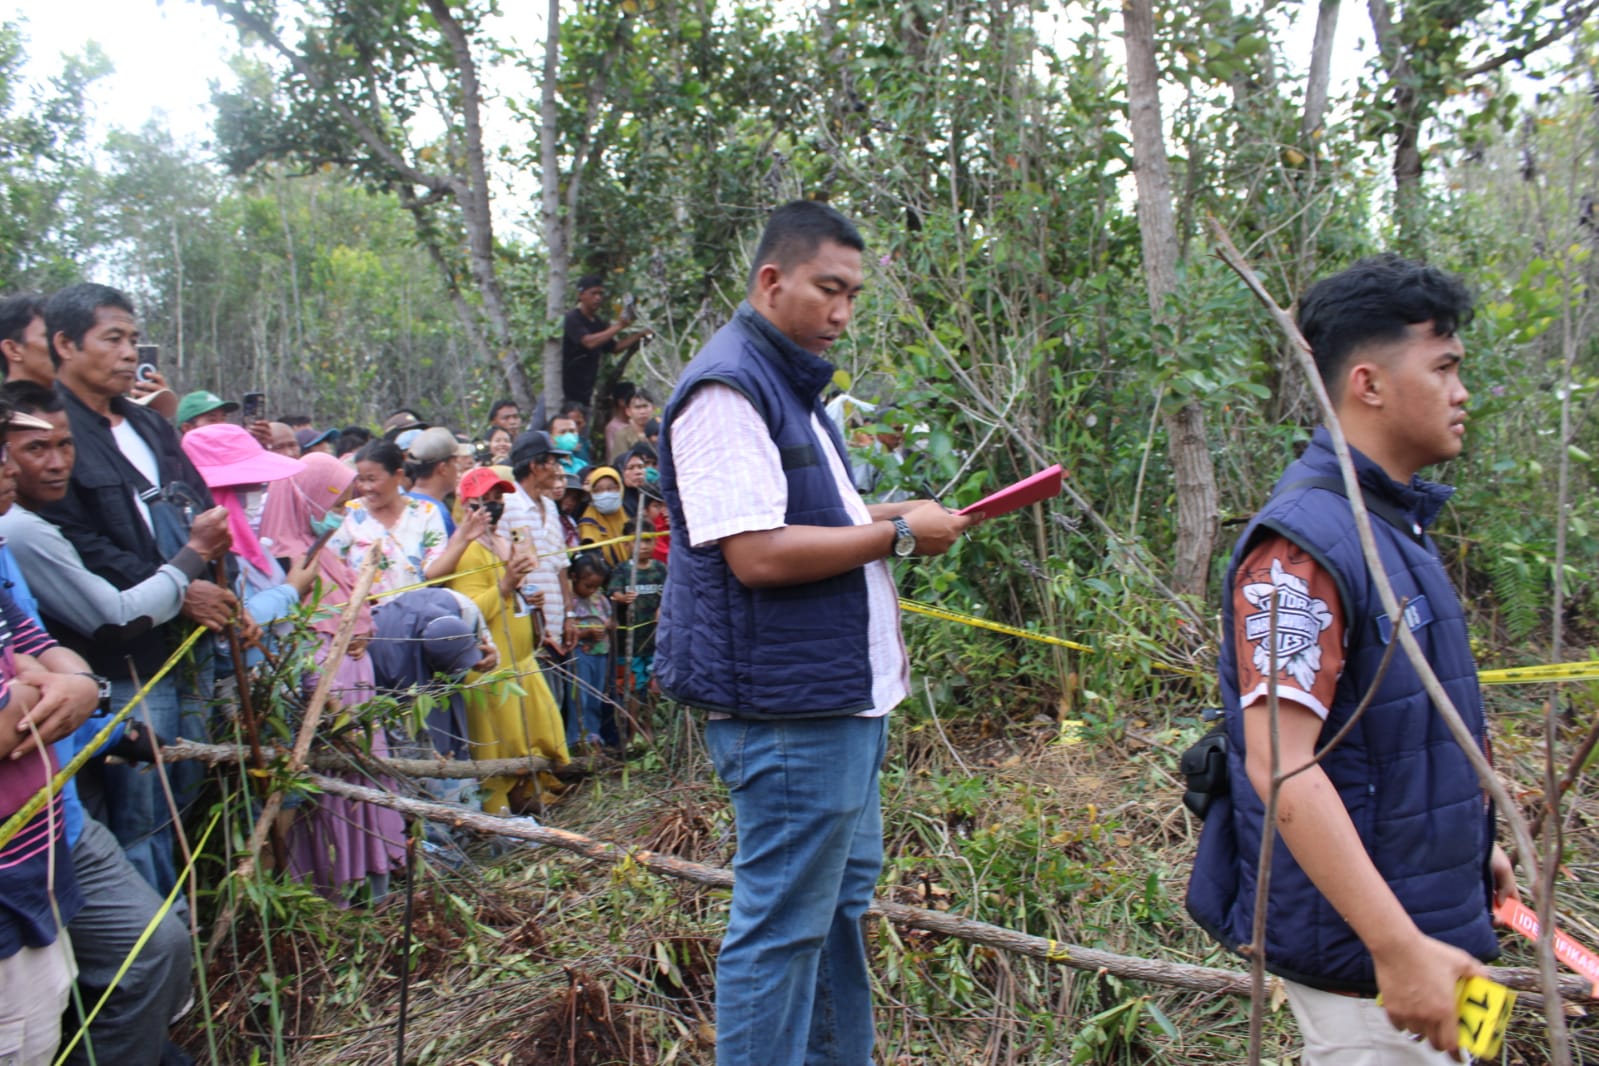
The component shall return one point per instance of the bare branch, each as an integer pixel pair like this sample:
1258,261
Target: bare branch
218,754
1268,845
1575,17
1174,974
302,741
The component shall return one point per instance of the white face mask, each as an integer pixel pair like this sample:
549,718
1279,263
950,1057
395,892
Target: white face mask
254,501
607,502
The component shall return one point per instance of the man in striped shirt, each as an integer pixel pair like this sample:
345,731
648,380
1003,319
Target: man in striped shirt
46,692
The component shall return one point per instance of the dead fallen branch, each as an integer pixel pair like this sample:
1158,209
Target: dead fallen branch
218,754
1155,971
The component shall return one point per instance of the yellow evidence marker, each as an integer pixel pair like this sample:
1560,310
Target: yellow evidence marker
1483,1007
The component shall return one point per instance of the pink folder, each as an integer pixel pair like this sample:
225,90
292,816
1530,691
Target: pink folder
1041,486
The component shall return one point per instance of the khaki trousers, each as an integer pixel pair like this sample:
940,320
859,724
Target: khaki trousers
1351,1031
33,992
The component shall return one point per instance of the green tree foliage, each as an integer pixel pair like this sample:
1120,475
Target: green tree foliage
307,288
1520,210
45,175
355,80
984,149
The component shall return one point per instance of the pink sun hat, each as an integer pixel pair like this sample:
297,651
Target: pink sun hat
226,454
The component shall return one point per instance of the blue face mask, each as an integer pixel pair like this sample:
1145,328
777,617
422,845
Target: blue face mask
652,476
330,521
566,442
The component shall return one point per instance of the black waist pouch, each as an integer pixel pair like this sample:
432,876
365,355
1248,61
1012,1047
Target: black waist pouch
1204,769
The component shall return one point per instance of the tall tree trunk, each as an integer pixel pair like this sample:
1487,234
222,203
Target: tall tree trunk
1405,127
555,233
473,196
1187,447
294,265
178,293
1320,77
471,192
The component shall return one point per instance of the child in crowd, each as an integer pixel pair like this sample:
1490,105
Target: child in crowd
595,627
636,593
658,518
616,430
572,499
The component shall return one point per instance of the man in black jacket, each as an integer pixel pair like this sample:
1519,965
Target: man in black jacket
127,509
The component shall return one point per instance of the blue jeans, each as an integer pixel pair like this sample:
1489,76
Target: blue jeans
136,809
792,984
587,721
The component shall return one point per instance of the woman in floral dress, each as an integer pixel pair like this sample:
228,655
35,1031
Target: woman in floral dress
409,532
336,843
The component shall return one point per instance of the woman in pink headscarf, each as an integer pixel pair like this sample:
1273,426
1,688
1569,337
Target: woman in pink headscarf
239,472
337,842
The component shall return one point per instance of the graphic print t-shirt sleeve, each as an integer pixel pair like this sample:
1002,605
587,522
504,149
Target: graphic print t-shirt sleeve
1310,626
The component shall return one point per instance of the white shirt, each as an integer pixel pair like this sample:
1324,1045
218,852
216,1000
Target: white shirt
542,521
137,452
730,476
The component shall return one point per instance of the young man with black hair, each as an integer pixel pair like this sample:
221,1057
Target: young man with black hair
506,415
23,341
586,338
1390,869
126,510
780,620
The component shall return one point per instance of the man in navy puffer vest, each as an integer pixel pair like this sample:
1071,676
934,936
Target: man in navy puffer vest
780,619
1390,868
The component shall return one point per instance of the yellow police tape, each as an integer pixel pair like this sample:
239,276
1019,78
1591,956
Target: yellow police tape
909,605
1515,675
983,623
585,547
1526,675
36,802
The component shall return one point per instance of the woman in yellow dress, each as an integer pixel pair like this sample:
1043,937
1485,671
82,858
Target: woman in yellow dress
500,723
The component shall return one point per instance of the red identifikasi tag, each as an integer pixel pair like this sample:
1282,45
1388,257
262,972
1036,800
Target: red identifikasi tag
1523,920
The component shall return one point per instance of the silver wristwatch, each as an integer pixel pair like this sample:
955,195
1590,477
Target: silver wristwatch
904,539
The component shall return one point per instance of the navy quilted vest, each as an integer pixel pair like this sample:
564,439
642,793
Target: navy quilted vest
798,651
1412,795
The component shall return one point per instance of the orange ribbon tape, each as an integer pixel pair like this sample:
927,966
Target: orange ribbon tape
1523,920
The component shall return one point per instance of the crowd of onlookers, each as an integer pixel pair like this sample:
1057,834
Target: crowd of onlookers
516,569
517,572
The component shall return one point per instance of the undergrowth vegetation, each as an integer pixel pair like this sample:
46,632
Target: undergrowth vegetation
993,810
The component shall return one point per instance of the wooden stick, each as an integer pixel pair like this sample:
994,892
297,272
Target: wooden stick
1441,702
1176,974
302,741
216,754
252,730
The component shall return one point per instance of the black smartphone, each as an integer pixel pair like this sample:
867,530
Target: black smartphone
254,407
149,361
480,453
